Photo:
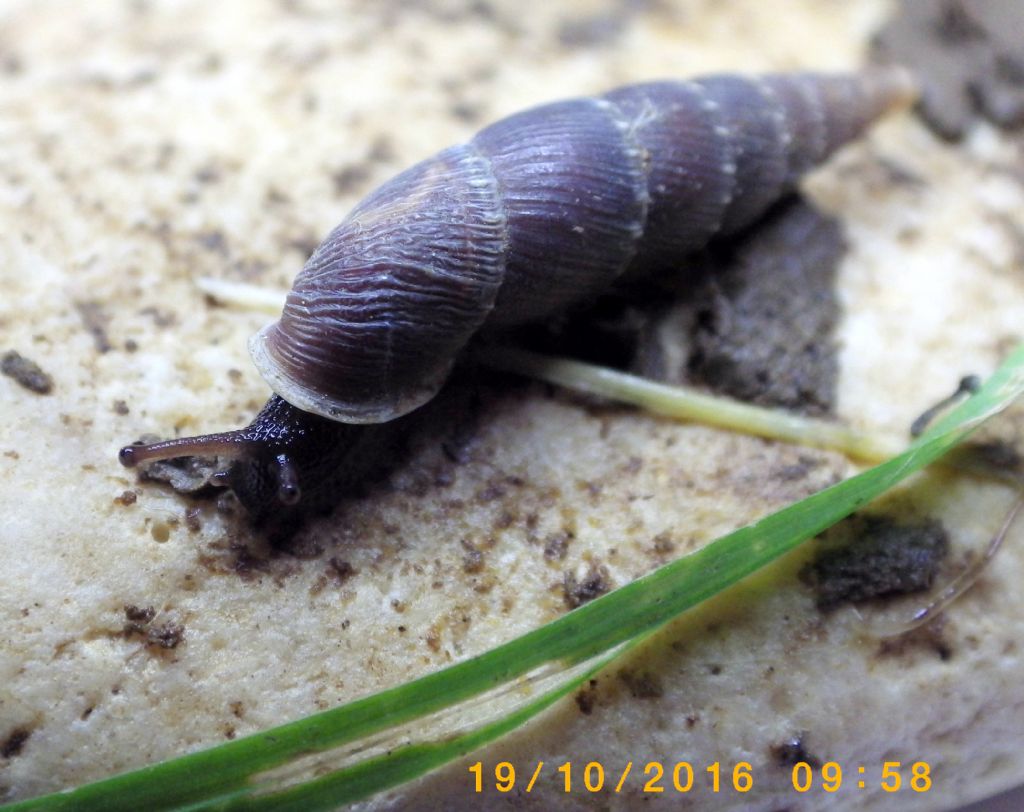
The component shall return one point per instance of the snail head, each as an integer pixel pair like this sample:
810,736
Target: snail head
285,457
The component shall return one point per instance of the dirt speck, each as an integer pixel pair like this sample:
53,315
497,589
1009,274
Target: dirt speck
160,317
26,372
243,562
586,698
641,684
14,742
793,751
556,546
578,591
869,557
166,635
137,619
472,559
663,544
603,27
139,623
95,320
11,64
794,472
214,241
208,173
930,638
350,178
340,570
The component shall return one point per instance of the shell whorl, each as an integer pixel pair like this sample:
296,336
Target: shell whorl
539,211
375,318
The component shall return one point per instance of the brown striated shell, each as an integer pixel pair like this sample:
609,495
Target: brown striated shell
376,317
539,211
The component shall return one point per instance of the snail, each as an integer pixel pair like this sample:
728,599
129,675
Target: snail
538,212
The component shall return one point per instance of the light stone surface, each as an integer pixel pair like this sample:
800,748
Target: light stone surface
144,144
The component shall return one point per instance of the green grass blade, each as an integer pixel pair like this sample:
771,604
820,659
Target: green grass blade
404,764
624,615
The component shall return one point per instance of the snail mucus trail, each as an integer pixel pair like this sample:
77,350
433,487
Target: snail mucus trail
539,212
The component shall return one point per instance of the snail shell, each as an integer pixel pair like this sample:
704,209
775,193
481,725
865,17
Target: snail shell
540,211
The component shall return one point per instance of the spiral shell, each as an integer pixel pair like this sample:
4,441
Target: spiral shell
540,211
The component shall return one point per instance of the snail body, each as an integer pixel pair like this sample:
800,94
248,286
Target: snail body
537,212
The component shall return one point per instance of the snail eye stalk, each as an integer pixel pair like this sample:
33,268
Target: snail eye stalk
288,490
225,444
